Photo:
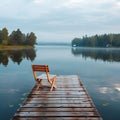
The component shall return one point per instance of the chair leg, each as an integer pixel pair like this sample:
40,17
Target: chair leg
39,84
53,84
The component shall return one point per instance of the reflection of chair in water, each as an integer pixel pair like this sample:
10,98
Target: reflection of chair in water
50,78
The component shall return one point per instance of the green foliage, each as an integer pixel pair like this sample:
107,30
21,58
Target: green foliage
30,39
16,38
106,40
1,36
76,42
4,36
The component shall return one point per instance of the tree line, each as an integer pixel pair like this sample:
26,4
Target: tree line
105,40
17,38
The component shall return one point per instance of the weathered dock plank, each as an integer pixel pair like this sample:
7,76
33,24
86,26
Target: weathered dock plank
69,101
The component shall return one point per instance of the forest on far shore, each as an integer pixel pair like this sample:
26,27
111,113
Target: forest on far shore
16,38
105,40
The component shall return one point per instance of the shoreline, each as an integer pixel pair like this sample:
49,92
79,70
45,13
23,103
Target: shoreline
15,47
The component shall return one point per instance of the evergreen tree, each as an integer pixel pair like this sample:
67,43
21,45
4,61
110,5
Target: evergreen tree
16,38
5,36
1,36
30,39
19,37
12,38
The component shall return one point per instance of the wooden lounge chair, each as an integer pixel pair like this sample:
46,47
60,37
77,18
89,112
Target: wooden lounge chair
43,68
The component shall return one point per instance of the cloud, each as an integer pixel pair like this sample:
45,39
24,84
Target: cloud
60,18
39,1
73,3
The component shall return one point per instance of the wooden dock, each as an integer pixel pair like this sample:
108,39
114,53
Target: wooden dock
69,101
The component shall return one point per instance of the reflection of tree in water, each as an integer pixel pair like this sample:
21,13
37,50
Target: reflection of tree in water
105,54
16,56
4,58
30,54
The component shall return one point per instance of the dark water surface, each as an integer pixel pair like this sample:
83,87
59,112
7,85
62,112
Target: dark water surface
99,69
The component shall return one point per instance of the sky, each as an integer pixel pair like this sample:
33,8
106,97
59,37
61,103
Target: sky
61,20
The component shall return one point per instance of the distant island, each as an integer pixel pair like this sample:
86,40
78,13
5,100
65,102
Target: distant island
53,44
105,40
16,39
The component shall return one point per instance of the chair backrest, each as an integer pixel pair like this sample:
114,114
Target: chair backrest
40,68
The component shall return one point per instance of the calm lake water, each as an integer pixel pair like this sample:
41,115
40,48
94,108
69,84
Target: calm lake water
99,69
